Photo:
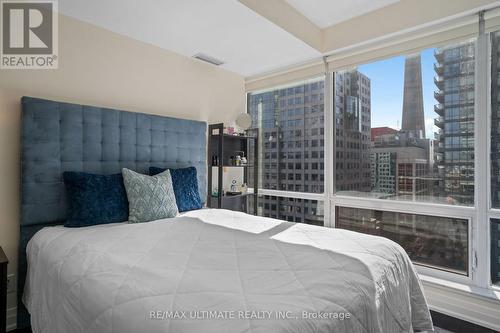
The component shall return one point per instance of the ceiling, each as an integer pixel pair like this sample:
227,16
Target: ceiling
325,13
245,41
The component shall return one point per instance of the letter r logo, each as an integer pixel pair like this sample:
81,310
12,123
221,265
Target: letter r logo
27,27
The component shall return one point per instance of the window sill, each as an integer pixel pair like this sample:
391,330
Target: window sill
480,306
491,293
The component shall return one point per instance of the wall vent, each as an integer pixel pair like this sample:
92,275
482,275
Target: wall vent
209,59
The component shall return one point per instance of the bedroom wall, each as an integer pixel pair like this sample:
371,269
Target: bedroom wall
101,68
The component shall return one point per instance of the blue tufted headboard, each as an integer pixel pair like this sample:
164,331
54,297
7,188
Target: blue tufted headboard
58,137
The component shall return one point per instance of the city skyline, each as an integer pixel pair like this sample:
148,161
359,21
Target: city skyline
402,163
396,164
399,164
387,84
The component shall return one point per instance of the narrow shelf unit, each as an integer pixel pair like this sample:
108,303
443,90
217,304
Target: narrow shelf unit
223,146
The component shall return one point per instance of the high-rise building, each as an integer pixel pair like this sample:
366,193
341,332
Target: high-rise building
352,131
454,80
291,123
413,103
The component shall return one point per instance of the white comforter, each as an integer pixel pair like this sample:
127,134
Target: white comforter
220,271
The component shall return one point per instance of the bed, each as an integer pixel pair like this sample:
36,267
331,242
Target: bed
214,270
205,270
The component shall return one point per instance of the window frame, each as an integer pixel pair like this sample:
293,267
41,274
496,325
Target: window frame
479,214
492,213
478,280
438,210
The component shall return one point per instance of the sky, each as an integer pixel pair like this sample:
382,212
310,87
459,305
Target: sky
387,78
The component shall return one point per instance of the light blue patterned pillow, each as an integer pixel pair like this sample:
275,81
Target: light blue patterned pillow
149,197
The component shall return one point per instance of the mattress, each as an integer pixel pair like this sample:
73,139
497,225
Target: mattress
220,271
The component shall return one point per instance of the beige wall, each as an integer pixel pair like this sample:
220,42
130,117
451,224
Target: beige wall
101,68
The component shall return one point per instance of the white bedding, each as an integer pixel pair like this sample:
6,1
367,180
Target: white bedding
253,274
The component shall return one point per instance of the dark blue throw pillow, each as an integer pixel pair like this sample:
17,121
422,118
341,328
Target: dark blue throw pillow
95,199
185,185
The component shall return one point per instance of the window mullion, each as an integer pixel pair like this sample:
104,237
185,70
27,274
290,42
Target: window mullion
333,150
480,248
329,142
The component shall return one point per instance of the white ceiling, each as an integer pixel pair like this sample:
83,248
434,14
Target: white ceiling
246,42
224,29
325,13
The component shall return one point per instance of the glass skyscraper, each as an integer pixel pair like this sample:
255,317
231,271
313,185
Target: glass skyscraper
454,94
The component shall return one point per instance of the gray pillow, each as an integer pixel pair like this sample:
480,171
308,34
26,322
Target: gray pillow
150,197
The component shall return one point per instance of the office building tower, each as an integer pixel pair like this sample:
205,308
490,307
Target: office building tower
454,94
291,123
352,131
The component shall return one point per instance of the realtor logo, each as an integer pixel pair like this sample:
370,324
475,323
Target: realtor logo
29,34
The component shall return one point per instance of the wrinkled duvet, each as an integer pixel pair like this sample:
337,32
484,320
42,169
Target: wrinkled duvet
220,271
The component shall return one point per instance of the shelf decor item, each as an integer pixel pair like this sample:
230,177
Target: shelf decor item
215,160
232,157
234,187
244,121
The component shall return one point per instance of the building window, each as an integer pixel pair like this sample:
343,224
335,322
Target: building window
291,139
404,133
404,139
404,127
495,120
437,242
495,251
291,209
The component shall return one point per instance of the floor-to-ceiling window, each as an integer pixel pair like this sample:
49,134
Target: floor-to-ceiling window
404,132
405,147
